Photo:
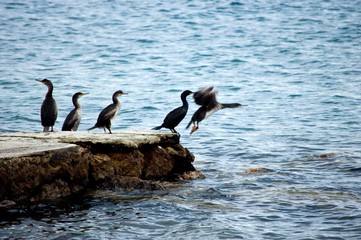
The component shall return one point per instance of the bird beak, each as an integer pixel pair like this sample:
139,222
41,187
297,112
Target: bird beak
85,94
40,81
194,128
125,94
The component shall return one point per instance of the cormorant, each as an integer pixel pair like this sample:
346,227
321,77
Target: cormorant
72,121
49,110
209,105
175,116
108,113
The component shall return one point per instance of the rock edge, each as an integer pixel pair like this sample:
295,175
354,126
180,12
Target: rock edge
42,166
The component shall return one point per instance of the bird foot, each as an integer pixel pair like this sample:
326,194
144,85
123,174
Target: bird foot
194,128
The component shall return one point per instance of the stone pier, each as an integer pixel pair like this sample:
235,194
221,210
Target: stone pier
42,166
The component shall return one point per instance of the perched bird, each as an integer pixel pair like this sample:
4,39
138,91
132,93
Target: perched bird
175,116
72,121
108,113
206,97
49,110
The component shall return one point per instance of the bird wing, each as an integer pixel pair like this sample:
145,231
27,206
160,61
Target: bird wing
212,109
207,98
72,121
174,117
108,113
49,112
212,100
204,96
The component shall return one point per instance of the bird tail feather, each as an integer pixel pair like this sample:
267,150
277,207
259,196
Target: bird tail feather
189,124
230,105
157,128
92,128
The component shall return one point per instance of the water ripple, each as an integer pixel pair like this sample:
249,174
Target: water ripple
285,166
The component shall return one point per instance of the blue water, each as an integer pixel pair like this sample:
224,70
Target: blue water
296,64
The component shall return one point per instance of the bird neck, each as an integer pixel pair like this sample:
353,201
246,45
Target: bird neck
115,100
184,101
49,94
76,103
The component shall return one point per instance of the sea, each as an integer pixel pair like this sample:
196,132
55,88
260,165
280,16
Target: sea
286,166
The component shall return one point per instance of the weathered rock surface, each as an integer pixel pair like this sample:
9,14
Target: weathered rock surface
38,166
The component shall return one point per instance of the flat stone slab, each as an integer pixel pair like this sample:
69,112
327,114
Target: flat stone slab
35,166
27,143
17,147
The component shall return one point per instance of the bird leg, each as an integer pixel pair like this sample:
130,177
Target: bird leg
110,131
174,131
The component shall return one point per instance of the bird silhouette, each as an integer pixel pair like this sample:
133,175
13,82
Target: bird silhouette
73,119
49,109
108,113
175,116
207,99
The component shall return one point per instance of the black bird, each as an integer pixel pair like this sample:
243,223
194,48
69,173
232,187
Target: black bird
206,97
49,109
72,121
108,113
175,116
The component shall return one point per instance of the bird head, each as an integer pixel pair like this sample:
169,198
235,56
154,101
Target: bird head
79,94
120,93
187,92
45,81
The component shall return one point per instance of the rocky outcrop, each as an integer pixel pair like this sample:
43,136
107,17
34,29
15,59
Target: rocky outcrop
38,166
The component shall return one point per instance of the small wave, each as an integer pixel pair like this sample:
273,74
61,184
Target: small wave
121,61
149,108
148,41
339,96
236,4
297,82
295,95
325,155
192,23
14,5
310,20
234,88
355,169
236,60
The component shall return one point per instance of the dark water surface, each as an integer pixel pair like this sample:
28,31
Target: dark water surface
296,64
